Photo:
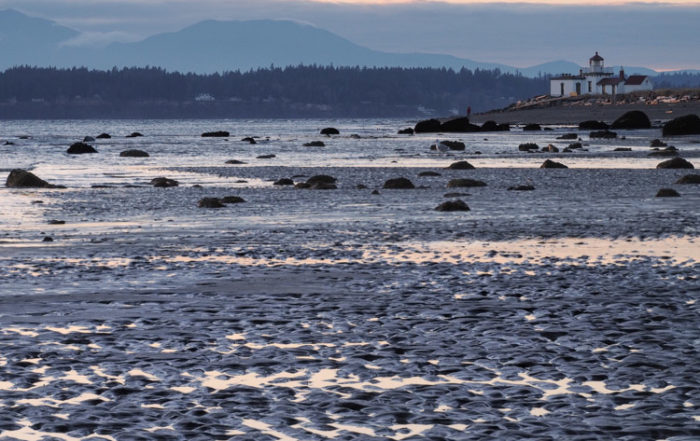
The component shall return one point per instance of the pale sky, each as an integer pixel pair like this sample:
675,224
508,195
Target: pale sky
644,33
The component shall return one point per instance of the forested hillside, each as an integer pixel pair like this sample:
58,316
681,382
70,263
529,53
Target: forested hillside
302,91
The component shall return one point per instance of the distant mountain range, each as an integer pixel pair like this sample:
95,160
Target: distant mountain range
218,46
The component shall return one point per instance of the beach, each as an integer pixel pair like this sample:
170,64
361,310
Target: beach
565,311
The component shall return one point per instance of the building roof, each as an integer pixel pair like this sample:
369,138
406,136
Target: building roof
568,77
610,81
635,80
596,57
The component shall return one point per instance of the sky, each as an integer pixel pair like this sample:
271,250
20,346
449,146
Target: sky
658,35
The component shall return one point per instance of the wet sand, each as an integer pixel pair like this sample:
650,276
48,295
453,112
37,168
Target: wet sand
566,312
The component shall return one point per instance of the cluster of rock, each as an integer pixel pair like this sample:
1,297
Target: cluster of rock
210,202
457,125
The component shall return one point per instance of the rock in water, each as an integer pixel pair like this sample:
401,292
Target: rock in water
429,173
80,148
104,136
328,131
427,126
522,188
461,165
526,147
164,182
657,143
684,125
456,205
88,139
19,178
270,156
689,179
216,134
605,134
675,163
568,136
134,135
634,119
592,125
457,183
135,153
550,148
399,184
315,144
459,125
234,161
532,127
552,164
407,131
210,203
249,140
454,145
667,193
321,179
232,200
492,126
283,181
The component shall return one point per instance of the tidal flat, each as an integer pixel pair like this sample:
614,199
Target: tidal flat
568,311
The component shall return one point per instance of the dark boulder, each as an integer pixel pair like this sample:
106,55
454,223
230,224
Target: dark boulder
689,179
134,154
210,203
684,125
88,139
622,149
527,187
657,143
19,178
232,200
249,140
328,131
575,145
234,161
56,222
667,152
284,181
552,164
134,135
454,145
462,182
634,119
667,193
407,131
550,148
399,184
321,179
80,148
315,144
270,156
427,126
568,136
459,125
675,163
429,173
492,126
460,165
162,182
532,127
104,136
216,134
526,147
456,205
47,239
592,125
605,134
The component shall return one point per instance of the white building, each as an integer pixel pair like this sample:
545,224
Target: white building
597,80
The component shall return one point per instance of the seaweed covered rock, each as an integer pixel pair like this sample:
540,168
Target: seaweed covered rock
427,126
19,178
328,131
552,164
604,134
689,179
462,182
79,148
455,205
676,162
593,125
667,193
460,165
216,134
134,153
634,119
684,125
210,203
399,184
162,182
